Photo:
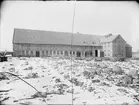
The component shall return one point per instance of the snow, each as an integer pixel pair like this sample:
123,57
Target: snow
52,75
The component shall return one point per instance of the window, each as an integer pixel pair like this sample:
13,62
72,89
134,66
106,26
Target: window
61,52
42,52
66,53
70,52
54,52
46,52
86,54
23,53
50,52
31,52
73,52
27,52
57,52
91,53
78,54
93,42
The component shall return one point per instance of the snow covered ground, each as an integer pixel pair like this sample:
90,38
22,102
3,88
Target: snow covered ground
92,82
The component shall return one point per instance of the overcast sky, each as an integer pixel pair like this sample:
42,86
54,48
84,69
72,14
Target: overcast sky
96,18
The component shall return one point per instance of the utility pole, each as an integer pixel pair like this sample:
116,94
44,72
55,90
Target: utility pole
71,46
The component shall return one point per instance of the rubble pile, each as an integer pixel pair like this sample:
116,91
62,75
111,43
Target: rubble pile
57,78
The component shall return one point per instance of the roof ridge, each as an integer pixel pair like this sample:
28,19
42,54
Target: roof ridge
54,31
40,30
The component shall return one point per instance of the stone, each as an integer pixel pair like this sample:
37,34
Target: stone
12,69
32,75
122,90
127,80
4,76
135,81
57,80
133,73
29,68
105,84
117,69
90,89
96,81
88,74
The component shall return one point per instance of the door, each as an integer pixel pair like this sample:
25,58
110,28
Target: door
101,54
37,54
96,53
78,54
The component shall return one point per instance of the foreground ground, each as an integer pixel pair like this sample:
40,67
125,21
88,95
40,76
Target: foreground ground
92,82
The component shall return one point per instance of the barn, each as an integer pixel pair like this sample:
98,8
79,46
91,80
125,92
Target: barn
38,43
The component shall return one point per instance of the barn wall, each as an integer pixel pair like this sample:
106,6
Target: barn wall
129,52
45,50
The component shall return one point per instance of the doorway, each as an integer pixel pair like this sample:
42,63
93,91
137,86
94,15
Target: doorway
78,54
37,54
96,53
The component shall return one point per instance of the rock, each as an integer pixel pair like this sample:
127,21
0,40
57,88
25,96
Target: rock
66,76
39,94
12,69
70,91
126,80
32,75
110,78
133,73
117,69
136,97
90,89
135,81
4,76
105,84
57,80
103,65
96,81
29,68
87,74
76,82
26,63
107,71
122,90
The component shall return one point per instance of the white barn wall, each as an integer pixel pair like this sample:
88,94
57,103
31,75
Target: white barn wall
18,48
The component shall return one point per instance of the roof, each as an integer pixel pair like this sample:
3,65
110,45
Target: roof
128,45
108,38
52,37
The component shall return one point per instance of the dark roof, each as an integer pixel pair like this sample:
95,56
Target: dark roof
51,37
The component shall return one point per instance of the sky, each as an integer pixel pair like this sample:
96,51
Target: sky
91,17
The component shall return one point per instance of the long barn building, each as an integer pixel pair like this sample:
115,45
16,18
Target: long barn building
37,43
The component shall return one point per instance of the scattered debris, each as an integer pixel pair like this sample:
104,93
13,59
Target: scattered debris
32,75
53,77
4,76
